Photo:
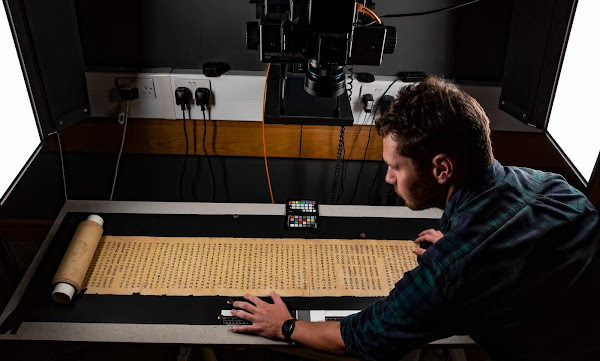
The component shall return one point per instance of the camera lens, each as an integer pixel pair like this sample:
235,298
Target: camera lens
324,81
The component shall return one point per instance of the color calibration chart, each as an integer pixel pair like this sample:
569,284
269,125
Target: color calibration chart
302,221
302,214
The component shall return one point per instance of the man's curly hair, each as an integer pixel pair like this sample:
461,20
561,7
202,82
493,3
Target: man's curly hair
434,117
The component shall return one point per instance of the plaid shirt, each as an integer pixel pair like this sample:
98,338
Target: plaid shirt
516,270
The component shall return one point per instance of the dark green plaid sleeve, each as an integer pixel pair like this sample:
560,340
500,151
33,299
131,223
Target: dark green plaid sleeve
404,320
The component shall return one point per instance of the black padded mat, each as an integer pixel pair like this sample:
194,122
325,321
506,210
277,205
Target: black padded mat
37,305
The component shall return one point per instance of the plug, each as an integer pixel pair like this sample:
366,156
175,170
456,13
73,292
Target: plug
367,101
202,98
129,94
182,97
127,89
385,103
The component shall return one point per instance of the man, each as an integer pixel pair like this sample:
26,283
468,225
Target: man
515,265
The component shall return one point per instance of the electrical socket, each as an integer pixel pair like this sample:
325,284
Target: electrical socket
192,84
235,95
377,91
146,88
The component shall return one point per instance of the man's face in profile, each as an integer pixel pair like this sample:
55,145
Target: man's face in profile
418,189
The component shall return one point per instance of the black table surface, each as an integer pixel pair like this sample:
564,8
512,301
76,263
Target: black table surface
38,306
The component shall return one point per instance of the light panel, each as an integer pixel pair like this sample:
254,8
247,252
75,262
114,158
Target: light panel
574,121
20,137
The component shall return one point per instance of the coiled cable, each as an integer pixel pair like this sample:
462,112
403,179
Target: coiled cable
338,167
349,81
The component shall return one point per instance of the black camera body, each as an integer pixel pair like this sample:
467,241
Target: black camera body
324,34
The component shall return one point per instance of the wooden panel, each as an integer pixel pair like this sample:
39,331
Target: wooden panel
224,138
322,142
160,136
227,138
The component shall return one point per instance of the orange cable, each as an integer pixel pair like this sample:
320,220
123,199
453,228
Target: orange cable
263,134
365,10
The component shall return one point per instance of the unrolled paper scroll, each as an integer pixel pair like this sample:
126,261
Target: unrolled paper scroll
180,266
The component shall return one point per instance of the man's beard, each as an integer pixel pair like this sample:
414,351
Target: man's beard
425,193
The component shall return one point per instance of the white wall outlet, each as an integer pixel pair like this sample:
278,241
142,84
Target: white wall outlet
377,89
146,88
235,95
192,84
105,101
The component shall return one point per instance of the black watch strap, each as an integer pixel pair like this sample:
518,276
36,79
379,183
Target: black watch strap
288,328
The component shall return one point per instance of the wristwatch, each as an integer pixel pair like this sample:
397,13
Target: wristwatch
288,328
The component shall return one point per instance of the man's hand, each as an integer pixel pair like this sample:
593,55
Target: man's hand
430,235
266,318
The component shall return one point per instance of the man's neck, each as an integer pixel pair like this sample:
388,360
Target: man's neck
451,190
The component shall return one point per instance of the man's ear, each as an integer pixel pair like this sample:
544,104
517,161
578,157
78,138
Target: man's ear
443,168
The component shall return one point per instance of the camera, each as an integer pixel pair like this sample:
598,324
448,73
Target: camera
323,36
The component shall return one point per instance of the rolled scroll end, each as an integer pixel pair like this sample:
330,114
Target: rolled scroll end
63,292
96,218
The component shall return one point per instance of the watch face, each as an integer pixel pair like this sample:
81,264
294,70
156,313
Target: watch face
288,328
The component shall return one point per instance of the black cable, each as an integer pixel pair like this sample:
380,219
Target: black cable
112,191
62,164
194,135
349,86
300,151
349,81
208,158
343,175
347,159
357,133
374,179
448,8
338,165
338,190
369,139
184,158
194,145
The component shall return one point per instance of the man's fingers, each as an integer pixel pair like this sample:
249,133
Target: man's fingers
419,251
244,329
426,231
266,317
257,301
430,235
245,306
275,297
243,315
